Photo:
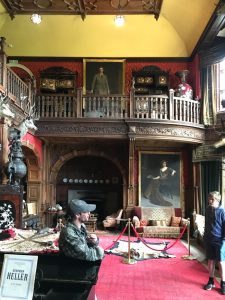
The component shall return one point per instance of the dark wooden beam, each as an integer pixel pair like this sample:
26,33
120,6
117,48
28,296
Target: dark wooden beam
208,38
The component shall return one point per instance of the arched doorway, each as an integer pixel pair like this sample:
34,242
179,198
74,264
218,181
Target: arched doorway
32,180
91,178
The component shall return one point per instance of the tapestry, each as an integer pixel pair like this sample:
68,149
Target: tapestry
139,250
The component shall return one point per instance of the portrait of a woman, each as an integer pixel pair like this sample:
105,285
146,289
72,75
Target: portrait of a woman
160,185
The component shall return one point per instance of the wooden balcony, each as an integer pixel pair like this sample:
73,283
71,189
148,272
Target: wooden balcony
158,116
147,117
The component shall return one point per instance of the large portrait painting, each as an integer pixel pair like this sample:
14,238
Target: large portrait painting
160,179
114,70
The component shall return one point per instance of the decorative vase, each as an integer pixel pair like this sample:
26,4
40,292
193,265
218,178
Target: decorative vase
15,168
183,90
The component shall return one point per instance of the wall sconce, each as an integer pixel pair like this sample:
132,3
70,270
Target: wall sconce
36,19
119,20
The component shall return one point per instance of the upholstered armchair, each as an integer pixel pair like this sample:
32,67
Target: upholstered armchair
113,220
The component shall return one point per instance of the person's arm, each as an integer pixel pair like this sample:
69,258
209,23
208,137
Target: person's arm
92,239
77,247
172,172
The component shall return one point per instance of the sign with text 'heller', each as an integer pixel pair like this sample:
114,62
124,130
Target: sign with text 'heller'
18,276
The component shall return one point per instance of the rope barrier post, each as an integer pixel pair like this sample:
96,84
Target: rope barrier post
129,260
188,256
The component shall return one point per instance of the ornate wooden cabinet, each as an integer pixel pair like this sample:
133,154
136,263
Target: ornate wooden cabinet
151,80
58,80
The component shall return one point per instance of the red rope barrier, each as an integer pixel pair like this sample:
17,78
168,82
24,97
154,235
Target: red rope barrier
165,248
144,242
117,238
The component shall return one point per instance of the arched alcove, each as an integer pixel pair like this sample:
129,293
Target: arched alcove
92,178
104,178
32,180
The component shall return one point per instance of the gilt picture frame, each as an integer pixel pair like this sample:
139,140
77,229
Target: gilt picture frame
114,69
160,179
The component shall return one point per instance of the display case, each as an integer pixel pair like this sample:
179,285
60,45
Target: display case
58,80
151,80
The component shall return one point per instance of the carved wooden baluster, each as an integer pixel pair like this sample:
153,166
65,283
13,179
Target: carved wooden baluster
69,111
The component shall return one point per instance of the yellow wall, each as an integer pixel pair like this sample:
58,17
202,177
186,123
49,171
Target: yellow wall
175,34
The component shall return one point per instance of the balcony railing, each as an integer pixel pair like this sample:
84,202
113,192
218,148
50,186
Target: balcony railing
17,89
56,106
119,107
113,106
18,92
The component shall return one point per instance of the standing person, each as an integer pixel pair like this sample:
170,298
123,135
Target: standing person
74,241
100,84
214,239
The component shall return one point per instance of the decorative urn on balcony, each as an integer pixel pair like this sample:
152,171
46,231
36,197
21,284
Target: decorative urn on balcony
183,89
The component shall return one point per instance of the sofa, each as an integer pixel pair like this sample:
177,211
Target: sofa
158,221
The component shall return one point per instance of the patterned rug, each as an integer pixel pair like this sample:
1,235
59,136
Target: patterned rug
140,250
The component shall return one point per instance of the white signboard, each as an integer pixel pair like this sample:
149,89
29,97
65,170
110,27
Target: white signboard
18,276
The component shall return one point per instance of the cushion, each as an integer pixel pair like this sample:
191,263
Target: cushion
175,221
157,222
143,223
183,222
158,213
136,222
161,231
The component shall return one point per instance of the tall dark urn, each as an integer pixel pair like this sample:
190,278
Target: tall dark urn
183,89
16,168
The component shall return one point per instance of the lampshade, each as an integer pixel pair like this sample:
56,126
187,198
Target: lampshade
36,19
119,20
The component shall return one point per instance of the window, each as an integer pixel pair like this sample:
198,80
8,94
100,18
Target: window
221,88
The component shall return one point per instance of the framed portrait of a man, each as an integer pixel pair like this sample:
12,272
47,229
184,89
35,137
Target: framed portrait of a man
160,182
103,76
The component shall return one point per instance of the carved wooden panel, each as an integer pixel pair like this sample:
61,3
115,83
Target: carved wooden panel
33,175
33,192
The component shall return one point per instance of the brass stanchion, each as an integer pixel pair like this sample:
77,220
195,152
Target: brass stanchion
129,260
188,256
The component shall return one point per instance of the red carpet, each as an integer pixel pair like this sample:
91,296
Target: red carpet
154,279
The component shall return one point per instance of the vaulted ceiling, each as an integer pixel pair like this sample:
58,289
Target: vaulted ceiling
83,28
